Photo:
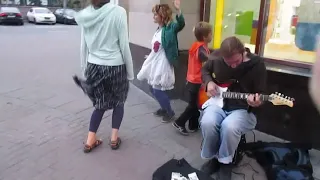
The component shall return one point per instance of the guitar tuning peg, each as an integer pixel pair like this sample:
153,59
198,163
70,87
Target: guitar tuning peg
286,97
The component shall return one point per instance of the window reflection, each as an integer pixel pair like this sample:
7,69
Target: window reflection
290,32
292,29
235,18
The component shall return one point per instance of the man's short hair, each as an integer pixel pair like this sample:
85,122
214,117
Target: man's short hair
201,30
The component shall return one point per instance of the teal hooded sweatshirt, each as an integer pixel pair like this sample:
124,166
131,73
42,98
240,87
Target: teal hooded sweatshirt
104,37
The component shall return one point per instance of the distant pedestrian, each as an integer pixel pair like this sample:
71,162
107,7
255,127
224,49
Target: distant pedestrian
107,64
158,69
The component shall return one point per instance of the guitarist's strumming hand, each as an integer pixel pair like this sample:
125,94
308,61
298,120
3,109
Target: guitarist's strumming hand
212,89
254,100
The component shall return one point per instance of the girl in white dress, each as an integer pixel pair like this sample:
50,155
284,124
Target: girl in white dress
158,68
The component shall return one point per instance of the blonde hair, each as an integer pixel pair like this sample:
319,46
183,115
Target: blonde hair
164,11
201,30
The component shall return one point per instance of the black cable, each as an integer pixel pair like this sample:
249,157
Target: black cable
254,136
247,164
241,174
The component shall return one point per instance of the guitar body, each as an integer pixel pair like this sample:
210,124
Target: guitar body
216,100
203,98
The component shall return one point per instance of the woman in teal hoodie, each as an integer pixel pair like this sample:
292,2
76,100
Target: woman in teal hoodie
158,68
107,64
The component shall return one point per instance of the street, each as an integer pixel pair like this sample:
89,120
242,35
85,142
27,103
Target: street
44,117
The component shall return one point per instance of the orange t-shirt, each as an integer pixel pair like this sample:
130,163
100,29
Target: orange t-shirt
194,63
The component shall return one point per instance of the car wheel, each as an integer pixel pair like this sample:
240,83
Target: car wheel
21,23
64,21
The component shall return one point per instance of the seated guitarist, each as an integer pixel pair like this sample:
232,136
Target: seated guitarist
222,127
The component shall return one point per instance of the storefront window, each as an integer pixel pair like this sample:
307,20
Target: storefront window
235,18
292,29
34,2
11,2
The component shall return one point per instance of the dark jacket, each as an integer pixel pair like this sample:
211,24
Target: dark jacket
248,77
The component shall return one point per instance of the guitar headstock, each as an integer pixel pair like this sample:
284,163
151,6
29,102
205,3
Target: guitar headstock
278,99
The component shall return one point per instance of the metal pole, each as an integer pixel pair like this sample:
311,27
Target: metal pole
64,5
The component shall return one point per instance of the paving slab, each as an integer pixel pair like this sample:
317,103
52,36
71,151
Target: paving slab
42,140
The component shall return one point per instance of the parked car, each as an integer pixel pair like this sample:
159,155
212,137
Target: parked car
41,15
65,16
10,15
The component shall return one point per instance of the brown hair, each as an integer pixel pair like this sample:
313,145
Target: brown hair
231,46
164,11
201,30
98,3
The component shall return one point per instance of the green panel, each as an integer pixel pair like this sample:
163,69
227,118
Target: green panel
244,23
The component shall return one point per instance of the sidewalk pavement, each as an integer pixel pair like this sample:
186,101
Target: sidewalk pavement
42,131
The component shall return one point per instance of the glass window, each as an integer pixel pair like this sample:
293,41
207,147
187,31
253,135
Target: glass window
70,12
292,27
10,9
11,2
42,11
37,2
235,18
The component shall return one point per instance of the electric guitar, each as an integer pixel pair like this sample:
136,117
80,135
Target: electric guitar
223,93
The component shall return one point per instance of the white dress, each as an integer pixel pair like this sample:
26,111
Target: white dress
156,69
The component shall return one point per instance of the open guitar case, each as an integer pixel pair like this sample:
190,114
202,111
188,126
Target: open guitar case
179,166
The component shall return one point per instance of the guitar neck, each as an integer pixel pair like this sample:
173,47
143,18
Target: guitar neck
235,95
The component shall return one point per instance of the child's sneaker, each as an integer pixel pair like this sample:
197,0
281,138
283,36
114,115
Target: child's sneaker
160,113
168,117
182,130
193,130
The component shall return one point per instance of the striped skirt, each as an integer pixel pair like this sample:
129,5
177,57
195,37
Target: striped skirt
108,85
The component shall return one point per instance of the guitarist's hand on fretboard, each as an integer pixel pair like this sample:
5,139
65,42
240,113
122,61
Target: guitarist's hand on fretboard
254,100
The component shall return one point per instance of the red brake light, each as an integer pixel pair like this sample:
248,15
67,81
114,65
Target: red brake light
18,15
2,14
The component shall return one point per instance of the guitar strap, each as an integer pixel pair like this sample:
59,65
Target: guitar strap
246,70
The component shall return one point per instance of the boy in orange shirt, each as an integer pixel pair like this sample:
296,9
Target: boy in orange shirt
198,54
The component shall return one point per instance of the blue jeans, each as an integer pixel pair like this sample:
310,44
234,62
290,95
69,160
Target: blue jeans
163,100
222,130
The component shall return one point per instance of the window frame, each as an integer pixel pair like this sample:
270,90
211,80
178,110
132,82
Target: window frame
280,65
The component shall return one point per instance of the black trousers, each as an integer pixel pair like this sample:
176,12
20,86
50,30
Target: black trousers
191,112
